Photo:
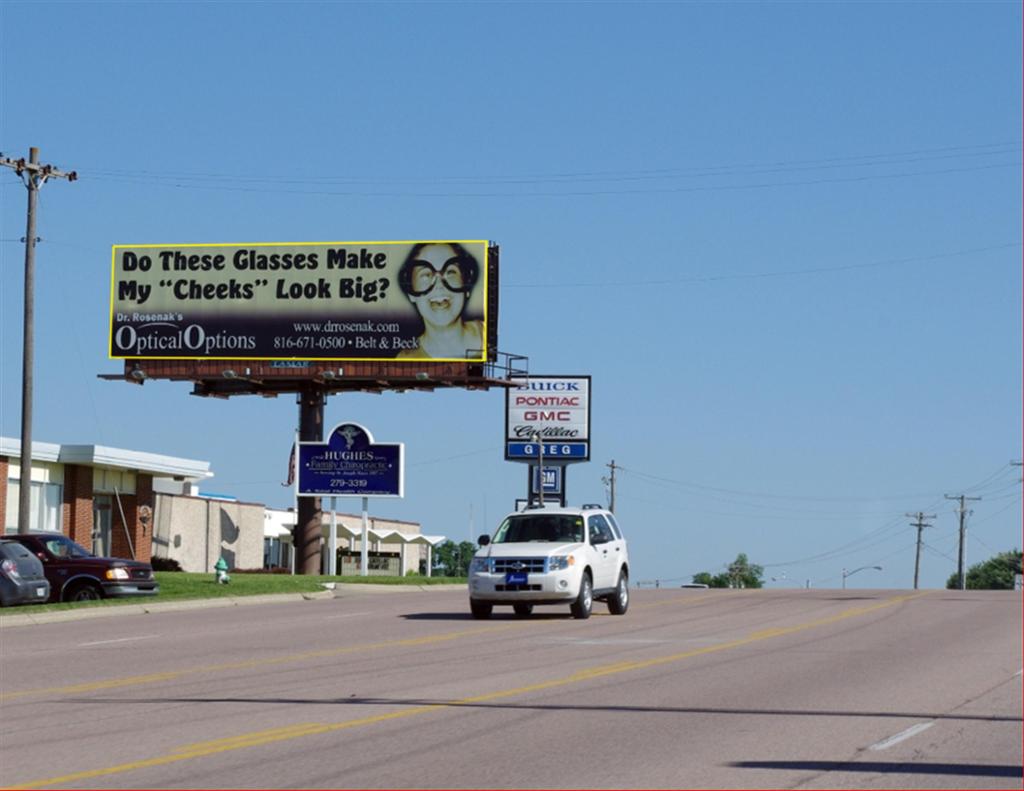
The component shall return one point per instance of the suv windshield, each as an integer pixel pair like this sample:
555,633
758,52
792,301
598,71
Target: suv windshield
540,527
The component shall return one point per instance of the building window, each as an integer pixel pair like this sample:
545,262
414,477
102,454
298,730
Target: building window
272,553
45,511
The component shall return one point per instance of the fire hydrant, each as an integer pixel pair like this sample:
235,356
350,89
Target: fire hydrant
221,567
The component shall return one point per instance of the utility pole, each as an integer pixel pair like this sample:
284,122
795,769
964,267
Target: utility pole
33,175
960,573
920,524
610,480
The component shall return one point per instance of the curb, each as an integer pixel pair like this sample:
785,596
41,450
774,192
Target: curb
62,616
358,587
148,608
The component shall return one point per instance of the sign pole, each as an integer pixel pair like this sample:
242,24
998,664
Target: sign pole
363,565
332,561
296,499
540,468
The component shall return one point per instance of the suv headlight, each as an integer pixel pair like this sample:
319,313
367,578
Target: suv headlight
559,562
117,574
480,566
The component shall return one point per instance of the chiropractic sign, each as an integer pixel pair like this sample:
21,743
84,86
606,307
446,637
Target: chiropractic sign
392,301
351,464
556,407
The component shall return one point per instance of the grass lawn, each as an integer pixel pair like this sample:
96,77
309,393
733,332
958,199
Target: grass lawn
179,585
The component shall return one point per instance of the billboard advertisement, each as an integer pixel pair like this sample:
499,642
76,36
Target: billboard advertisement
557,408
394,301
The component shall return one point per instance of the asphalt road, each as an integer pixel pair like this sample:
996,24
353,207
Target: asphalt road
690,689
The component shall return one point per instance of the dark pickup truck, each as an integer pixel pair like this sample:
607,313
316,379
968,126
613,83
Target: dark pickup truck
75,574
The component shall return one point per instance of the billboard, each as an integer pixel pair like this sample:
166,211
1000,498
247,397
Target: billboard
556,407
393,301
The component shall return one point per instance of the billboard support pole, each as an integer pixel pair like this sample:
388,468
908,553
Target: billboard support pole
308,528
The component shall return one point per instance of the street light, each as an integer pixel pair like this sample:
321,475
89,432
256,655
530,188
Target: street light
850,573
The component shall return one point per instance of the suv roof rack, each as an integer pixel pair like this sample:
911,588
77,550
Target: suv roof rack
588,506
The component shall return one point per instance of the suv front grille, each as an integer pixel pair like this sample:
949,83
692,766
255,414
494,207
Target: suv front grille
510,588
529,565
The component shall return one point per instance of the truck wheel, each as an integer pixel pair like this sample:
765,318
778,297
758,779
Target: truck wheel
618,602
522,610
84,592
585,601
480,609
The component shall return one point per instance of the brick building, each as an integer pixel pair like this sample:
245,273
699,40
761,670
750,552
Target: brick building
103,498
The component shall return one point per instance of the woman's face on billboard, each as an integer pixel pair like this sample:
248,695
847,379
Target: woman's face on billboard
437,282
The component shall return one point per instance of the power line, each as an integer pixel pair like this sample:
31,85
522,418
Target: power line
765,495
773,274
567,193
748,168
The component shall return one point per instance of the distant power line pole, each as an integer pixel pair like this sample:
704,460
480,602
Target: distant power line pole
610,480
920,524
961,575
34,175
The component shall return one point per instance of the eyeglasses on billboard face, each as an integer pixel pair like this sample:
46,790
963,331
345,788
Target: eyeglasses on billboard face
424,277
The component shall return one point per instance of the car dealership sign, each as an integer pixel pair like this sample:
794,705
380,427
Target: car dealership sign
557,408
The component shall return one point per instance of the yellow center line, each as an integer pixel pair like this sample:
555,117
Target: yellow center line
249,664
300,730
152,678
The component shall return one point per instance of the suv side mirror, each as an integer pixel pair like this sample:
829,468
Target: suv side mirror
484,540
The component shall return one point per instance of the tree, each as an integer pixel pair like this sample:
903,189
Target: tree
996,573
454,558
741,573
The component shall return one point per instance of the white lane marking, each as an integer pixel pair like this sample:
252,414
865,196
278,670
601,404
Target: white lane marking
885,744
120,640
346,615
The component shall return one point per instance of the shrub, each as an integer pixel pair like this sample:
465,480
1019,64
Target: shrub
164,564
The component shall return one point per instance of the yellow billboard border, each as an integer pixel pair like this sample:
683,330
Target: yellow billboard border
113,266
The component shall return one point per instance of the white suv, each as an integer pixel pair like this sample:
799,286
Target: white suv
551,556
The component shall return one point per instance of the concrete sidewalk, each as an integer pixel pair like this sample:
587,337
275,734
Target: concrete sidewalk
24,616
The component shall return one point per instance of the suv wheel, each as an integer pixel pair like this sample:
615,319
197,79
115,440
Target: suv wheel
618,602
86,592
585,601
522,610
480,609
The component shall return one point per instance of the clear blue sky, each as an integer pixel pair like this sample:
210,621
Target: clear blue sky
784,239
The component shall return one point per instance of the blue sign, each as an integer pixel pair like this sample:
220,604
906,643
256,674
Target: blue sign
552,450
351,464
552,479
